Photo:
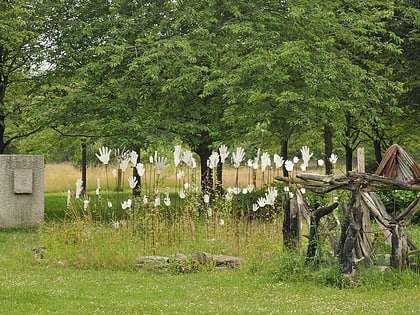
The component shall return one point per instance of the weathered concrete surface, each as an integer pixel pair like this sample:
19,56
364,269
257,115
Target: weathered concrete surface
21,190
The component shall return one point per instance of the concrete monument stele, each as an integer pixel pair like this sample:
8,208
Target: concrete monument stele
21,190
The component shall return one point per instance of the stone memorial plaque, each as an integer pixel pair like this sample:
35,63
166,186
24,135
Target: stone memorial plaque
23,181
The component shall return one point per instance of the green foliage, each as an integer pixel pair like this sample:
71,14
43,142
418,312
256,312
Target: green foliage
398,200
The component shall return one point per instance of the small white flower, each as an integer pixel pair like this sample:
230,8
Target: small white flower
238,156
104,155
206,198
177,155
333,158
224,153
132,181
320,163
289,165
79,188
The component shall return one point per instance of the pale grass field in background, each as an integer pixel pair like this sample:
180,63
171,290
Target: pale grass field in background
63,176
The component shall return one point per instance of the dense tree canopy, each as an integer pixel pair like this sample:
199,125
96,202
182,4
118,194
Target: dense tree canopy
248,73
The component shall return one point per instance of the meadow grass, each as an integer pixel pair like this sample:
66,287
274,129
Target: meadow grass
33,287
90,264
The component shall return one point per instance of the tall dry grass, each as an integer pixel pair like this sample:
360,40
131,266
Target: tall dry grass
63,176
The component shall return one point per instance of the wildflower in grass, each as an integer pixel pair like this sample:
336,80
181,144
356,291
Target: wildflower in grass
140,169
320,163
109,204
114,173
206,198
181,194
133,158
85,204
224,153
238,157
79,188
255,207
333,158
177,155
132,181
265,161
160,164
261,202
295,159
104,155
213,160
289,165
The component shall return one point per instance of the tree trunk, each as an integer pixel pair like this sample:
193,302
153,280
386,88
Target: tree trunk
377,149
328,148
349,158
204,153
84,167
284,153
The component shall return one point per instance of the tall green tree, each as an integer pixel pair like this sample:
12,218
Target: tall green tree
20,66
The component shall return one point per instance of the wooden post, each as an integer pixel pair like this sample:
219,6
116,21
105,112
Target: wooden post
361,160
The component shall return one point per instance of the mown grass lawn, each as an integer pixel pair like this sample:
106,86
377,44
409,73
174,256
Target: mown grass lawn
28,287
